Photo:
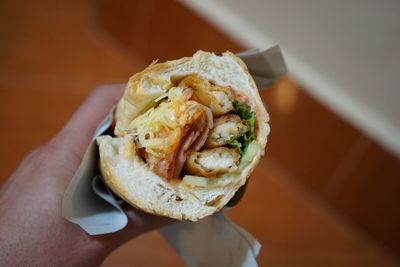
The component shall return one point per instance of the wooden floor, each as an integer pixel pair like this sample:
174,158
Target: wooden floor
324,195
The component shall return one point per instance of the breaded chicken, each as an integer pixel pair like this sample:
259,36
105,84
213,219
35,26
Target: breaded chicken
211,162
225,128
217,98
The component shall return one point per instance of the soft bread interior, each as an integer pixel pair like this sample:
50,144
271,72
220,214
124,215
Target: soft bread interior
129,176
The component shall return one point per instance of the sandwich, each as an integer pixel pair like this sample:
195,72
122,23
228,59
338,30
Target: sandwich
188,133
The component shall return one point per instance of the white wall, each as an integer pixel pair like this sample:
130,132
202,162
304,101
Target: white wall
346,53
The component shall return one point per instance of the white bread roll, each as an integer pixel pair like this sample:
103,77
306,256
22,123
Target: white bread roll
130,177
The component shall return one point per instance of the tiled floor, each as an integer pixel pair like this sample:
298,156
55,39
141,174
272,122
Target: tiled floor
325,195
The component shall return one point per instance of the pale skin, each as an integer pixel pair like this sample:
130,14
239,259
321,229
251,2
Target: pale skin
32,230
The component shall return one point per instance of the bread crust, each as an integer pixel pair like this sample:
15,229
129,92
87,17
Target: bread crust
130,178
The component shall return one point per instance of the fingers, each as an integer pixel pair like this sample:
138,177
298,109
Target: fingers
79,130
144,221
139,223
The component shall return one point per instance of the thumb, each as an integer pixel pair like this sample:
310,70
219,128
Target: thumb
79,130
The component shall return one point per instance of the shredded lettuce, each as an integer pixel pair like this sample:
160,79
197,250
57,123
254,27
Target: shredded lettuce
241,142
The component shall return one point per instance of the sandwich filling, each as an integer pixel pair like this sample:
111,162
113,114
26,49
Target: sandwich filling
197,128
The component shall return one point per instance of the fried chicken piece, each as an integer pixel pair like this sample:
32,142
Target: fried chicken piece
218,98
225,128
211,162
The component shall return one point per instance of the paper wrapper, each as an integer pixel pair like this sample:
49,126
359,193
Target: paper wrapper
212,241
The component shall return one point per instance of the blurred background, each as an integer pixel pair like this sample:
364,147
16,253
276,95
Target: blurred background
327,192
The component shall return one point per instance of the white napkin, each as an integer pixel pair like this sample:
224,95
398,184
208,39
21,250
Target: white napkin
212,241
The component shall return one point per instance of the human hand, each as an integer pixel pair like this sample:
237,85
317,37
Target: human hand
32,229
